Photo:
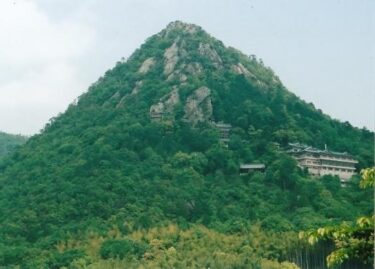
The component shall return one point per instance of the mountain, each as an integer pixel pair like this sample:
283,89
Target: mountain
9,142
135,172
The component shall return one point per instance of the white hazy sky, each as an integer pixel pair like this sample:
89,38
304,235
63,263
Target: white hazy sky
52,50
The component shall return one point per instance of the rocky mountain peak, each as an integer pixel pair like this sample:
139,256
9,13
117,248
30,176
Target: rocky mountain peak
189,67
182,26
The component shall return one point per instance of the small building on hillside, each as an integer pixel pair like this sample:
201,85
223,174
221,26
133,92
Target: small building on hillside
224,131
155,116
323,162
252,167
157,112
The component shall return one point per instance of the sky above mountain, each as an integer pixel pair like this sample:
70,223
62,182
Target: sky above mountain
51,51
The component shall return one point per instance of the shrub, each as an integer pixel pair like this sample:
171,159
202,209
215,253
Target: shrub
61,259
121,248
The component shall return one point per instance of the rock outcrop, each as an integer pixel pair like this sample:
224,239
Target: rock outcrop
146,65
240,69
210,53
170,59
185,71
194,68
137,87
164,108
198,107
178,25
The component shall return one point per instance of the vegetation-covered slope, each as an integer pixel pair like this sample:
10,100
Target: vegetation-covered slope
9,142
139,150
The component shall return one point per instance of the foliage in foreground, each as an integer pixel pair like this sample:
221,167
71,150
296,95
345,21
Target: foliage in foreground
352,241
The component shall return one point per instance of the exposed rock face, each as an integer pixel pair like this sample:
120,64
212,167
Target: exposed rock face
177,74
146,65
213,56
198,107
240,69
183,78
186,70
137,87
194,68
165,106
122,101
135,90
185,27
171,100
170,58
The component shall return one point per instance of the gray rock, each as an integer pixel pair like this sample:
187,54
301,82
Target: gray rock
135,90
165,106
183,73
122,101
146,65
194,68
185,27
137,87
170,59
240,69
210,53
198,107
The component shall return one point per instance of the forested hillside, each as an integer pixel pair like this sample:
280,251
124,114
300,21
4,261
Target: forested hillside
135,174
9,142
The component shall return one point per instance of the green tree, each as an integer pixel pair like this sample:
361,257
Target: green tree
352,242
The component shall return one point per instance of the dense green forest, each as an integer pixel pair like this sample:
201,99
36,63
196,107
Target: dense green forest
134,174
9,142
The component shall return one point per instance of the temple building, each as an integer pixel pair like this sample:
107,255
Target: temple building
323,162
252,167
224,131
